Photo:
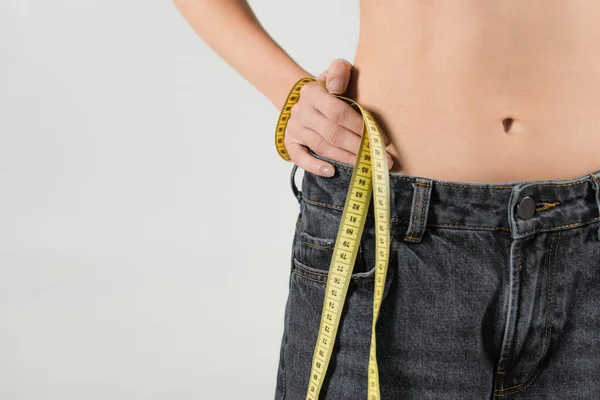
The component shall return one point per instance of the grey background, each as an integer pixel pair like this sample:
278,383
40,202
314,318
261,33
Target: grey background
145,217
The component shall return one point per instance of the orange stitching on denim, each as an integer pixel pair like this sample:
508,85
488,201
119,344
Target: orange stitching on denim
550,255
324,282
509,359
310,272
414,225
413,210
318,245
563,226
423,211
561,184
536,372
468,226
554,285
499,228
546,205
306,277
416,203
325,204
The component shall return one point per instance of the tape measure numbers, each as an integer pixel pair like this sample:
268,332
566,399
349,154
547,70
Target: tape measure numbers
369,176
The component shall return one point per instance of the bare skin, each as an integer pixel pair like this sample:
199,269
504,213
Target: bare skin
467,91
443,77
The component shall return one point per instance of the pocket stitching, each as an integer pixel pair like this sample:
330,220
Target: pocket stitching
533,375
320,277
306,239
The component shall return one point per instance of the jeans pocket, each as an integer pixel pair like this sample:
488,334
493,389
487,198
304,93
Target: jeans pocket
313,257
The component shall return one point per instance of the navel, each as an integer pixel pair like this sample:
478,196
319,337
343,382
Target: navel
507,123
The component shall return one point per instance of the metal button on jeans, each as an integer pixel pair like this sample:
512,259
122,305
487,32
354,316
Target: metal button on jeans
526,208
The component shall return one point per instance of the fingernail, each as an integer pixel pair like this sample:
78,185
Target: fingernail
335,86
325,169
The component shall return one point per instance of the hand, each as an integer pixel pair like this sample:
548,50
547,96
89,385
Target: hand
327,125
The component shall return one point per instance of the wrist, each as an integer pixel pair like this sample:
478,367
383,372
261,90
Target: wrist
284,84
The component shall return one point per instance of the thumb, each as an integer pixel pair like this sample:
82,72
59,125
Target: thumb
338,76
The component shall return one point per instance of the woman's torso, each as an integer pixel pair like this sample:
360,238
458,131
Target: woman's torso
441,76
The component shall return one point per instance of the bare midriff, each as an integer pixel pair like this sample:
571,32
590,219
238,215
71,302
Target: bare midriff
483,91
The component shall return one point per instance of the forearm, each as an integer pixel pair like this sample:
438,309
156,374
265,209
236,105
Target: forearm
231,29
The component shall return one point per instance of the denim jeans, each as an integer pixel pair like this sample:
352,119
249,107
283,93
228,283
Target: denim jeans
492,291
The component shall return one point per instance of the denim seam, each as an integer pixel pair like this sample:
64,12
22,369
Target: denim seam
497,228
548,285
467,226
413,238
596,186
318,245
553,294
285,346
415,202
554,284
424,207
395,244
324,280
512,334
537,371
336,207
285,337
552,256
546,205
560,226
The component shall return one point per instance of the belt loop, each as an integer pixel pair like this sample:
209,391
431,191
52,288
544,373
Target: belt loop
419,210
596,186
297,193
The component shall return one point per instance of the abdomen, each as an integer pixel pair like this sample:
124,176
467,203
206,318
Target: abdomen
483,91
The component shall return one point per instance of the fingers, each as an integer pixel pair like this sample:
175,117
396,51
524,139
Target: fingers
341,113
302,158
337,136
301,138
336,110
338,76
333,133
328,126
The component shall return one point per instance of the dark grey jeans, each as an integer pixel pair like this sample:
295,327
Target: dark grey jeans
492,291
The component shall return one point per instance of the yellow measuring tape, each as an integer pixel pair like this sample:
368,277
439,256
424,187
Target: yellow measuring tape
370,176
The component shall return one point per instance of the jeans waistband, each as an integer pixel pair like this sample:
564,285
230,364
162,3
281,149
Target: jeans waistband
420,202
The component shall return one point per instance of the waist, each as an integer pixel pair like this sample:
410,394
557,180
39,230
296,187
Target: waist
519,208
457,129
484,93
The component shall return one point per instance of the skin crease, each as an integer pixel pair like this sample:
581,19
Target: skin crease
442,78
